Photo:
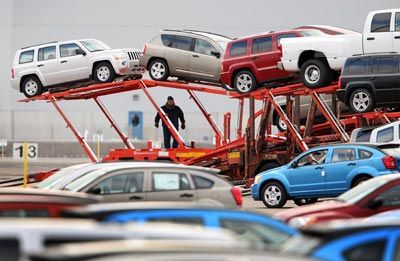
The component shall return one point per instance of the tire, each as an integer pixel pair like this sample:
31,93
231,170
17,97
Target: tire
360,180
274,195
244,82
268,166
361,101
278,122
159,70
104,72
31,86
316,73
304,201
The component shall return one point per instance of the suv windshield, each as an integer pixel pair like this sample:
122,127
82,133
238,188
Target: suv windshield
359,192
95,45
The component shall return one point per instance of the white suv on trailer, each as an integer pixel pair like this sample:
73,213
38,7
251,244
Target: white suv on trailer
40,67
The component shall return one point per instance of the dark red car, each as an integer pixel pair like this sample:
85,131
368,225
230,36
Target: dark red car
251,61
369,198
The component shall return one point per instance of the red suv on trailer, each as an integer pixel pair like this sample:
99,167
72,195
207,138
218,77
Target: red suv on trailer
251,61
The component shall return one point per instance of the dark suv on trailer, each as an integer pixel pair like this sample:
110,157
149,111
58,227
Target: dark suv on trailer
370,81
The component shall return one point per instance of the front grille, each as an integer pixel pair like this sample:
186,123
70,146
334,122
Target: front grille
133,55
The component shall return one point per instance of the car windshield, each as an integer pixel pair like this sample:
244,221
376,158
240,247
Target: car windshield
95,45
359,192
312,32
85,180
47,183
300,245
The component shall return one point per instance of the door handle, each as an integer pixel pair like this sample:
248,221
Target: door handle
63,61
186,195
195,56
351,164
397,37
40,65
136,197
319,167
373,78
370,38
254,57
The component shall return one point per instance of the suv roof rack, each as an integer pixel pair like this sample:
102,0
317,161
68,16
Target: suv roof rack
38,45
195,32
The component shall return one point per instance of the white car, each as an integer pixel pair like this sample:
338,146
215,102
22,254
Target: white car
40,67
317,58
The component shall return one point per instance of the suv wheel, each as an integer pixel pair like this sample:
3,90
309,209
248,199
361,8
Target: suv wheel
274,195
159,70
104,72
244,82
32,86
278,122
315,73
361,101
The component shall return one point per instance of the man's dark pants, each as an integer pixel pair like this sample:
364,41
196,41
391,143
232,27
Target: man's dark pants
167,139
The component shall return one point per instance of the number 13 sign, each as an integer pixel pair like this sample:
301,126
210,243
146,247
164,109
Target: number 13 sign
18,150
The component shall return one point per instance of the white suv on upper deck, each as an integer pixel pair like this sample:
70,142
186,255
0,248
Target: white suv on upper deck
37,68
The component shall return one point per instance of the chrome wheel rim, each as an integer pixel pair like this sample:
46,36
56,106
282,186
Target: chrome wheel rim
273,195
103,73
31,87
244,83
281,124
312,74
361,101
158,70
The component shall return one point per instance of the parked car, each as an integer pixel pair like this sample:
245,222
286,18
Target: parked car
347,240
323,171
317,59
27,202
152,181
187,54
251,61
370,81
386,215
40,67
259,229
373,196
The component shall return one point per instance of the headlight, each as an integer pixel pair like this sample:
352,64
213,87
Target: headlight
299,222
257,179
121,56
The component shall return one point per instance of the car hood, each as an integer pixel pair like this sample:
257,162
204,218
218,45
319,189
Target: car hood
311,209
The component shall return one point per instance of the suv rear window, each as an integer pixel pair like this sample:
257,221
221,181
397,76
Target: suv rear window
357,66
261,45
386,65
238,48
381,23
26,57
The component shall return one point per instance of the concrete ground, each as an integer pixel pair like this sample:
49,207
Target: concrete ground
10,168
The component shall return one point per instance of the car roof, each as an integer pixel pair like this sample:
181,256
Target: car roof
264,34
54,42
357,144
213,36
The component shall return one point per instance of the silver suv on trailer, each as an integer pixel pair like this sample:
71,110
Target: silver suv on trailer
186,54
37,68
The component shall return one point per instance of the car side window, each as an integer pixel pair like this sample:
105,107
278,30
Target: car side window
381,23
279,37
122,183
385,135
254,231
169,181
397,23
370,251
364,154
67,50
167,39
386,65
204,47
183,43
10,249
262,45
26,57
202,183
178,220
391,197
47,53
238,48
357,66
343,154
313,158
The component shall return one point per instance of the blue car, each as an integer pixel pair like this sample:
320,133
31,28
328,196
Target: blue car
324,171
348,241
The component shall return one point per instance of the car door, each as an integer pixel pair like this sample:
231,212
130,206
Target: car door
385,76
121,186
264,58
170,185
379,37
396,33
178,55
48,65
73,66
205,61
307,175
343,163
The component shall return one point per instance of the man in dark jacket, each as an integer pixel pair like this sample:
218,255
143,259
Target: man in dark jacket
174,113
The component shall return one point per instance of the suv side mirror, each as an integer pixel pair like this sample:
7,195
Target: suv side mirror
216,54
80,51
375,203
96,191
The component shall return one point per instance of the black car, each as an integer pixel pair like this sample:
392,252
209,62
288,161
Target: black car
370,81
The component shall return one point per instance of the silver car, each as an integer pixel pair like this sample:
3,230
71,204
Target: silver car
151,181
187,54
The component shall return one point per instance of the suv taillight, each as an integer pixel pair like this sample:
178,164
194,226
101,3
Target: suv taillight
237,195
389,162
144,49
12,73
